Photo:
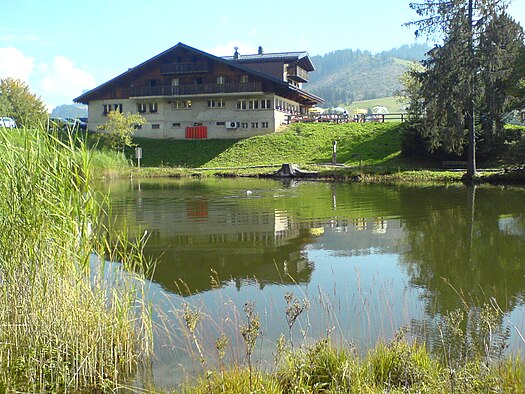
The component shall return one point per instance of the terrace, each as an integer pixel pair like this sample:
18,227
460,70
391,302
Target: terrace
188,90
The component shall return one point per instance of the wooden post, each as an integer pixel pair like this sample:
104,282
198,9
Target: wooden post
334,152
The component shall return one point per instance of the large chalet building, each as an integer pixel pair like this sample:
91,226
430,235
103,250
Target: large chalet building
187,93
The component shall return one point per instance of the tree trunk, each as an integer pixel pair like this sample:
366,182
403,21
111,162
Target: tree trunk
471,159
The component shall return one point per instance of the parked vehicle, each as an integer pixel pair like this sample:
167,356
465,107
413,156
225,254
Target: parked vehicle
8,123
66,123
57,124
74,123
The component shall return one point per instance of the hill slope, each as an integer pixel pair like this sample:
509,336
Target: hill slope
350,75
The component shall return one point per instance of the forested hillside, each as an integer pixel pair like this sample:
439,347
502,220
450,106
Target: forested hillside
348,75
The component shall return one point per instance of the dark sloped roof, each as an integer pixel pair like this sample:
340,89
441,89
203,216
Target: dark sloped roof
85,97
302,57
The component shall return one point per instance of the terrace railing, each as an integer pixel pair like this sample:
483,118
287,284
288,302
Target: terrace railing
198,89
184,68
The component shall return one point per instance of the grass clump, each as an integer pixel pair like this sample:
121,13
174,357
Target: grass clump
68,322
403,365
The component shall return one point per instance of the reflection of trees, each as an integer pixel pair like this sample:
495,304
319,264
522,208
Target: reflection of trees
462,242
458,252
194,265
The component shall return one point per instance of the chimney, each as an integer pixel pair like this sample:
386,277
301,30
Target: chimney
260,52
236,53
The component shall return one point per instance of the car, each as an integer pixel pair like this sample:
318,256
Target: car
74,123
66,124
7,122
57,124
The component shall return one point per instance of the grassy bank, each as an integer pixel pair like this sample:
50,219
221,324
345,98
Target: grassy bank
367,152
69,322
394,367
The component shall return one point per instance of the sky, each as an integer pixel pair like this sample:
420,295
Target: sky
61,48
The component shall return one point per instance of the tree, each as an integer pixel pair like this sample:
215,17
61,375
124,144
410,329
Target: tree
501,51
454,86
17,102
120,128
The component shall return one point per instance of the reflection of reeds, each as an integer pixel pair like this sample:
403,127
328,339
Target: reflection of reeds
67,324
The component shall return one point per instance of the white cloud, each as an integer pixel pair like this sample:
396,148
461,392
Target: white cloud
56,83
60,82
14,64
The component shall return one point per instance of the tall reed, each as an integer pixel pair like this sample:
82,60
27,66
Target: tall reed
66,323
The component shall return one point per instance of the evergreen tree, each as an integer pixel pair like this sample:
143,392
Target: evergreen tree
463,75
501,52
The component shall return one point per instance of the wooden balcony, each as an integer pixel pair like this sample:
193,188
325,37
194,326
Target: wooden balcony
184,68
297,74
192,90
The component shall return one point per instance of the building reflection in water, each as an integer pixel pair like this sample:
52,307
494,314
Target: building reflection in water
194,237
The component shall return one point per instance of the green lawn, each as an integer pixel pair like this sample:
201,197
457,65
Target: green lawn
368,143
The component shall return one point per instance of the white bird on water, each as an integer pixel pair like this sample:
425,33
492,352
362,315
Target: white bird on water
248,192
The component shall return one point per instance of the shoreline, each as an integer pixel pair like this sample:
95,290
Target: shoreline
338,173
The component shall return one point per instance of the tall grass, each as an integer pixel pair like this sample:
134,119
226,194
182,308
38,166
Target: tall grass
66,323
402,364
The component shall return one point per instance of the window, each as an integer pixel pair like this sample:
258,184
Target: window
198,81
217,103
181,104
254,104
244,78
153,108
266,104
255,125
152,83
221,123
175,82
242,104
106,109
175,124
117,107
141,107
244,125
264,125
221,80
155,126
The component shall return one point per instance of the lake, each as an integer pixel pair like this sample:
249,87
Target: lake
370,260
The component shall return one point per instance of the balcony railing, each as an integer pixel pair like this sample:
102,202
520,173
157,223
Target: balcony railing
188,90
184,68
297,73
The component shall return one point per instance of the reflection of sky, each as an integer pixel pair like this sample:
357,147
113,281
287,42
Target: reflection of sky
510,226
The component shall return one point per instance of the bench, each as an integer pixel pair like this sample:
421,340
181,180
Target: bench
454,164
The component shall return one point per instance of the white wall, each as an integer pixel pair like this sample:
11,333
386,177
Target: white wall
171,122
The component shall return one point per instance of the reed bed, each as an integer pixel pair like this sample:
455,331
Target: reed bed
67,323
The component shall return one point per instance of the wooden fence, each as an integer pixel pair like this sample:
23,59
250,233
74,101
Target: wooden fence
341,118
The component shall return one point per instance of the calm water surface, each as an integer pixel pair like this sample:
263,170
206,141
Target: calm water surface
370,259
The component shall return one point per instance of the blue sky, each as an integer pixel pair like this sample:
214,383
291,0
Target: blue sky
62,47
